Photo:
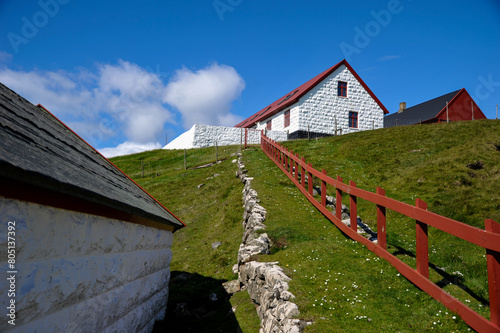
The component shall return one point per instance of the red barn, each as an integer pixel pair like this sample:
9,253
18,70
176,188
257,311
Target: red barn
455,106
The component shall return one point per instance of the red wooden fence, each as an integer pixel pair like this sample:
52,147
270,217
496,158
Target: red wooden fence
489,238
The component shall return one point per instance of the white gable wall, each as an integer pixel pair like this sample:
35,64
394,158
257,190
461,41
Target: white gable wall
321,105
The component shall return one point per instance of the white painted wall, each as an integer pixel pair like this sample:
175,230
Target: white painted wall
278,120
83,273
200,136
319,107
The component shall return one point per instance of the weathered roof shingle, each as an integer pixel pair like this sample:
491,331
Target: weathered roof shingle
39,150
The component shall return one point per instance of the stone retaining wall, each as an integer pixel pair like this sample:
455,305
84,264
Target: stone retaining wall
266,283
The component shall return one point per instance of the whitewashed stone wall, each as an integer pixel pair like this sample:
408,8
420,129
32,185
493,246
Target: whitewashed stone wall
83,273
278,120
200,136
321,105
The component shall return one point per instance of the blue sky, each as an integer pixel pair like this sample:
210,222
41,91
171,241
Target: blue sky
124,74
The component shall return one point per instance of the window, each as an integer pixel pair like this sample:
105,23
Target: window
342,90
268,125
353,119
287,118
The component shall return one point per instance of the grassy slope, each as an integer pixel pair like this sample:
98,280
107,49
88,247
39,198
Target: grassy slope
334,282
434,163
338,284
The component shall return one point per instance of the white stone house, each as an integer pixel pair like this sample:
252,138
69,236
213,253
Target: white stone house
336,99
200,136
85,248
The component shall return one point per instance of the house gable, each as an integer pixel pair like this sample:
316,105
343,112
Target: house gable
288,100
325,108
461,107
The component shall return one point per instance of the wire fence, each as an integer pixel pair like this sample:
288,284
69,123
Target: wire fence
182,159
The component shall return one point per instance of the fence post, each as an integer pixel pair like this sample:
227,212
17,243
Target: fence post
323,189
381,222
216,152
338,201
290,163
422,242
303,174
246,137
286,160
335,125
309,179
493,261
297,169
280,156
283,156
185,162
353,209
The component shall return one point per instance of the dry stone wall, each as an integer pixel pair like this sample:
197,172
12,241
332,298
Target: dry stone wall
266,283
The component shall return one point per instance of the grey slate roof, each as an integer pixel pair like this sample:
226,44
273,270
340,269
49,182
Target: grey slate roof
420,112
37,149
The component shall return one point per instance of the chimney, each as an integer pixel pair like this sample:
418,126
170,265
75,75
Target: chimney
402,107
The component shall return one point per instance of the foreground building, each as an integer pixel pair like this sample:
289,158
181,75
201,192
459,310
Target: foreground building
336,101
89,250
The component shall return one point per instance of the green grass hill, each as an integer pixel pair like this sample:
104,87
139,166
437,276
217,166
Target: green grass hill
339,285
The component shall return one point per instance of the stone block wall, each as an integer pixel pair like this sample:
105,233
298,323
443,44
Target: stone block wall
317,110
200,136
83,273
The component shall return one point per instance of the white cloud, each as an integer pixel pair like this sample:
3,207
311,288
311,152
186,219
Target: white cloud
128,148
126,102
121,99
205,96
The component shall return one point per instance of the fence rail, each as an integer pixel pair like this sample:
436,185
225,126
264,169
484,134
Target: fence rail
294,166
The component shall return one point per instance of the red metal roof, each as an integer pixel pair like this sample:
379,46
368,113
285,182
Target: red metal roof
297,93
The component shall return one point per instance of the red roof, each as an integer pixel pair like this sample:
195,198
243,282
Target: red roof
297,93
